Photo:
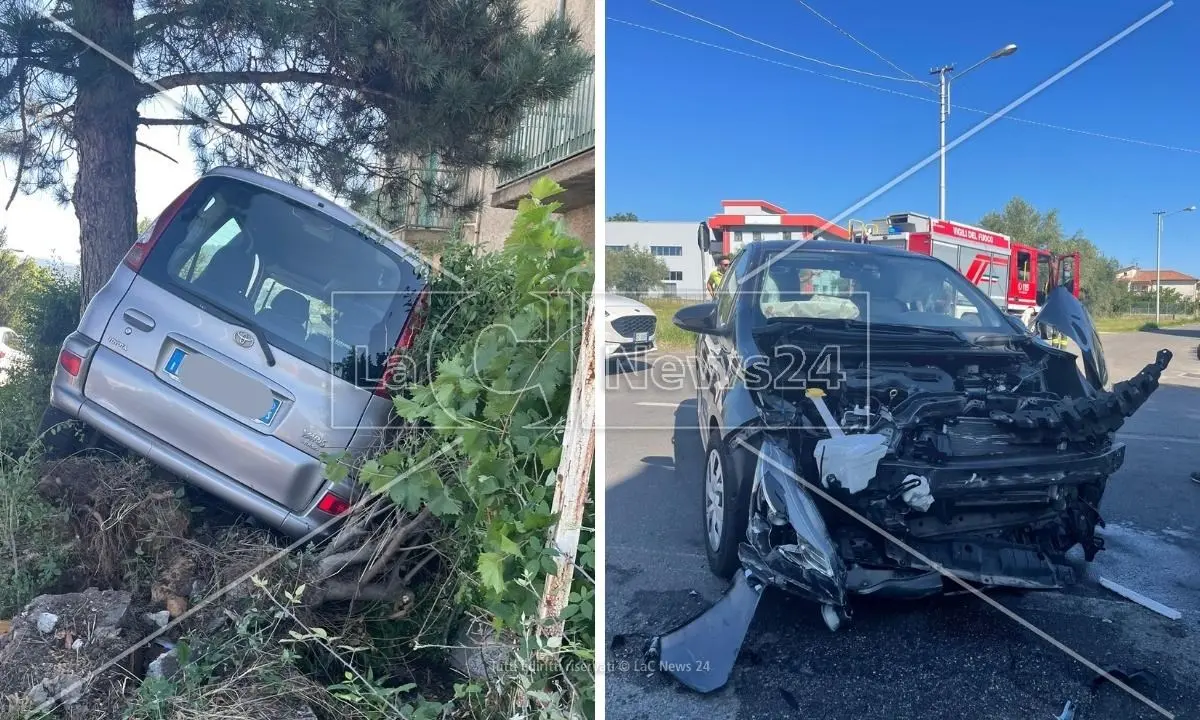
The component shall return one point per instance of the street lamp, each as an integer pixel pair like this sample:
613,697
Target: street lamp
944,79
1159,215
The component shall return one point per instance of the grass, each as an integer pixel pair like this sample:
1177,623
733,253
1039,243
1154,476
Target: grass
670,338
35,545
1134,323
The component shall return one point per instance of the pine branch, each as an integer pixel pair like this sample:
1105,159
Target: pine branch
156,150
172,121
246,77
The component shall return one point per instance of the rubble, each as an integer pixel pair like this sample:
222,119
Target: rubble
88,629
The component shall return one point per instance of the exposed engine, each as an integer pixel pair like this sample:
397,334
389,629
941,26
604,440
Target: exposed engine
989,465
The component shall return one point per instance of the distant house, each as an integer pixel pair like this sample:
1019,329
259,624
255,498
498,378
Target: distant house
1139,280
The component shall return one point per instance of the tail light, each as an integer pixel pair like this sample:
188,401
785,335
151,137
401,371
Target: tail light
136,257
70,362
412,326
332,504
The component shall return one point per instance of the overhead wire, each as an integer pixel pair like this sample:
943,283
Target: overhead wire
900,93
776,48
858,42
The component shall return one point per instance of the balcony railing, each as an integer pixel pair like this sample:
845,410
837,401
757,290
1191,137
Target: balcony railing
416,209
555,131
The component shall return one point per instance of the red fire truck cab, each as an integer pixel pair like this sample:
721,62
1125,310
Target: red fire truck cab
1016,277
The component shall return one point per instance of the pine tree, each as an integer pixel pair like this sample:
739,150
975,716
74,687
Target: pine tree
328,91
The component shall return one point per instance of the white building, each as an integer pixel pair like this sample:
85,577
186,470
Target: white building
1139,280
672,242
738,223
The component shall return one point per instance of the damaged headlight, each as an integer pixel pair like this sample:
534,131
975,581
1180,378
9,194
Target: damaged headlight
776,477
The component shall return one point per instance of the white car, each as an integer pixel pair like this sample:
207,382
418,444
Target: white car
9,354
629,327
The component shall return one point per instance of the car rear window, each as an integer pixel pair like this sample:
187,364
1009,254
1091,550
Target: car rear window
319,290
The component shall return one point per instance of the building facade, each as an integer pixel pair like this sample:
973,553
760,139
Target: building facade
739,222
557,139
672,242
743,221
1139,280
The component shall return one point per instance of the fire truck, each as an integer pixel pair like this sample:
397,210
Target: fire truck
1016,277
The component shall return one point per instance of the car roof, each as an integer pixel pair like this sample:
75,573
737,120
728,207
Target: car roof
323,204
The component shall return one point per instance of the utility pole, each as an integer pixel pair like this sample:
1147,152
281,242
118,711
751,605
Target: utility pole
1159,215
944,98
944,79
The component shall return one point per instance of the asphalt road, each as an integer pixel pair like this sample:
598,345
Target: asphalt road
952,657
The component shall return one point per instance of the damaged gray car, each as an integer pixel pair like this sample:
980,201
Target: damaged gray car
872,422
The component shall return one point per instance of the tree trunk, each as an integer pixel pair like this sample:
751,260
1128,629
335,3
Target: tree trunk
106,134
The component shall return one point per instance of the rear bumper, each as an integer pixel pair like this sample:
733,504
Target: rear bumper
66,394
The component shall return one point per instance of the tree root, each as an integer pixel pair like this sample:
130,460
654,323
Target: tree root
372,561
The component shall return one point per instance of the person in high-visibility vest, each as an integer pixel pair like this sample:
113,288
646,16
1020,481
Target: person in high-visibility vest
718,274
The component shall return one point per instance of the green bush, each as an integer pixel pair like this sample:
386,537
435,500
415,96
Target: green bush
492,381
49,312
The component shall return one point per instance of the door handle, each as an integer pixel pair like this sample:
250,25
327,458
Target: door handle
139,320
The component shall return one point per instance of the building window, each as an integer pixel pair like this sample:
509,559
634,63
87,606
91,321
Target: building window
616,248
666,250
674,275
756,236
787,234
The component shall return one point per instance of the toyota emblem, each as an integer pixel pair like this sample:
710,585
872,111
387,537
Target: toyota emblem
244,338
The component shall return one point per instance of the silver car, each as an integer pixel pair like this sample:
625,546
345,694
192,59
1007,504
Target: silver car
246,334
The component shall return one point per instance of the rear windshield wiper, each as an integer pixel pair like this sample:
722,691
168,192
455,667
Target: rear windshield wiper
232,319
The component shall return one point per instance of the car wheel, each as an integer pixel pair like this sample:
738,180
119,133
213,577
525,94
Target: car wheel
726,510
61,435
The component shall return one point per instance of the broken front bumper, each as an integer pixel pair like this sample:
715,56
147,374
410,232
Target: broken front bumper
810,566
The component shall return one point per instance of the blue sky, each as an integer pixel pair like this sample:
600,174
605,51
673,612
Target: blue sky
689,125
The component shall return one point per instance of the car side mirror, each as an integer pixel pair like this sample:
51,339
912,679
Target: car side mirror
700,319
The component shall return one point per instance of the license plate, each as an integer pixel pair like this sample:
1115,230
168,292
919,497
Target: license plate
641,337
222,385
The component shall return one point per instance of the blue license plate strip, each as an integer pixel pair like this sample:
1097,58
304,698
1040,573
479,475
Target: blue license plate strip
174,362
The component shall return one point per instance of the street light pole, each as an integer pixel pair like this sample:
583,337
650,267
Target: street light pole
944,78
1159,215
944,101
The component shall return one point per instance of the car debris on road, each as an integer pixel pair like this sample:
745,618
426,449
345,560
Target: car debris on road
1141,599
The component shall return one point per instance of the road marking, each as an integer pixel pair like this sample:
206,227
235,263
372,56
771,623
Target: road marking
1162,438
658,404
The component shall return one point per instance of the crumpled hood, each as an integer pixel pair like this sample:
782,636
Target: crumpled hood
1066,314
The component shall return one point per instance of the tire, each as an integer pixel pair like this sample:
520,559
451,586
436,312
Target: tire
726,508
60,434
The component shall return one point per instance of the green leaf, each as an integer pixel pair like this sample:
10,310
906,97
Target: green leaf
550,457
544,187
491,571
508,546
442,504
408,409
